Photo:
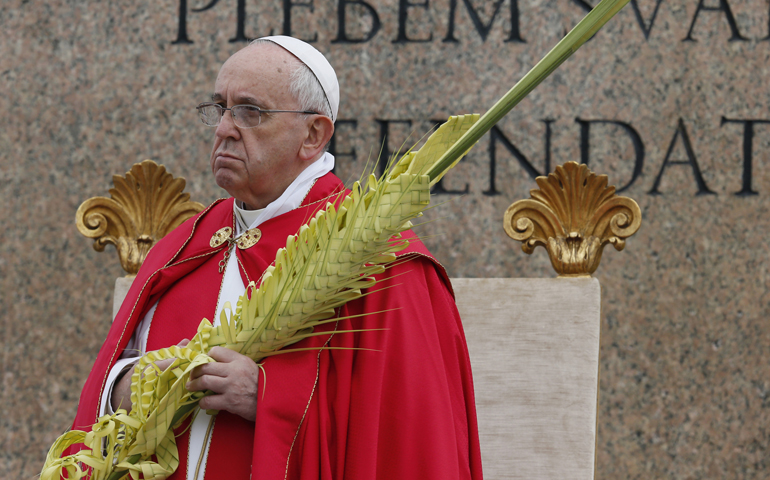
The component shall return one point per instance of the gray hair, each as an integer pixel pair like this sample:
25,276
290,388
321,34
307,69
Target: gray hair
305,87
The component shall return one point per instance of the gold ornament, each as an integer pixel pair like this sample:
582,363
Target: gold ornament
249,238
573,215
144,206
220,236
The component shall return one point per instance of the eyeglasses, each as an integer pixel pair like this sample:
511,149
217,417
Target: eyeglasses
244,116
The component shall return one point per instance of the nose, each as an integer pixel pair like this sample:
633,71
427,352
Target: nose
227,127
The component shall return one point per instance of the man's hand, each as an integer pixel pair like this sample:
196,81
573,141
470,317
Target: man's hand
121,391
233,379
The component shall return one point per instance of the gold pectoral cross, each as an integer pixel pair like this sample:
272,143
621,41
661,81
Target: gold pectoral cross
247,239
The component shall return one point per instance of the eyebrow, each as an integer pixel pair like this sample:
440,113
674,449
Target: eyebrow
217,97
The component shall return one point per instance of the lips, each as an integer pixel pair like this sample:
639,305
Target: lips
223,159
226,156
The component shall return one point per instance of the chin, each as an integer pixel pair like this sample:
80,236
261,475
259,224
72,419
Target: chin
227,180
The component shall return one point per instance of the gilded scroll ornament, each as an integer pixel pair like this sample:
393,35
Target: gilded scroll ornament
573,214
144,206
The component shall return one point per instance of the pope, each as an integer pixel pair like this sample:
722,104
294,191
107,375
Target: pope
392,400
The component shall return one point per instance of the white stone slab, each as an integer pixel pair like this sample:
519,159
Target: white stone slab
122,284
534,347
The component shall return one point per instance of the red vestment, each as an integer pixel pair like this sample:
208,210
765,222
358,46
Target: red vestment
399,406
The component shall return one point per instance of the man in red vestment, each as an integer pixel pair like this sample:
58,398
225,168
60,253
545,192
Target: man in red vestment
394,401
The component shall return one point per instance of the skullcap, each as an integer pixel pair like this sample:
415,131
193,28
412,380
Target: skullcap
317,64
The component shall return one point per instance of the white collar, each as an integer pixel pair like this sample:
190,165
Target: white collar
290,199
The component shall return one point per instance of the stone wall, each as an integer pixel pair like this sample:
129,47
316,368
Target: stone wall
670,100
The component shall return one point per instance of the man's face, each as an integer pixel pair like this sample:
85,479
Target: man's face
255,165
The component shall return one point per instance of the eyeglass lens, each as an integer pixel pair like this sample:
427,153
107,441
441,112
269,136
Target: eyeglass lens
244,116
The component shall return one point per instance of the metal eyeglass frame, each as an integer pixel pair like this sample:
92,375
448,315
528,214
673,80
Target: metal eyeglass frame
235,108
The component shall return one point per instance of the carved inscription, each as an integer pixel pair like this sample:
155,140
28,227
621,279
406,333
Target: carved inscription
500,149
484,16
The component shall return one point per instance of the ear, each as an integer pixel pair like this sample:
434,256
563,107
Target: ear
319,132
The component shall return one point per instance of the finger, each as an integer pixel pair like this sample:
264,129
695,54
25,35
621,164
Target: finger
159,365
244,409
225,355
164,364
215,369
213,402
207,382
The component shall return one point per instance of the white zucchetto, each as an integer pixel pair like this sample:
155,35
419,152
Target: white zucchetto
317,64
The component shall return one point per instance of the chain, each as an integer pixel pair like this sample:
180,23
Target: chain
223,262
